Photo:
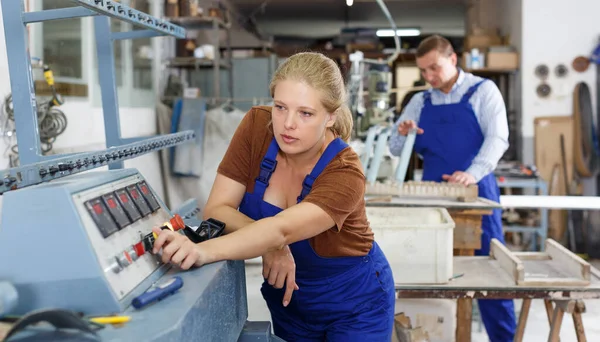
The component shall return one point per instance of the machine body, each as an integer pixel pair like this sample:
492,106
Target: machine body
71,241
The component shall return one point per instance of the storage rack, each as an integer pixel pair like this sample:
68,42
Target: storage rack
540,231
218,63
506,81
35,167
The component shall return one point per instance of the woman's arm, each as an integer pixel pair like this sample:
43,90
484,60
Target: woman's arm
224,199
334,196
299,222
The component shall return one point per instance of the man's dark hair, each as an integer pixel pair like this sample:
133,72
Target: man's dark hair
435,42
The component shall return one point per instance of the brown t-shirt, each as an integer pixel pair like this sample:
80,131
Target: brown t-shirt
339,190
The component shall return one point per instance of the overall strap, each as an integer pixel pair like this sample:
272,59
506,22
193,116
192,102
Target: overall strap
267,166
467,96
427,97
334,147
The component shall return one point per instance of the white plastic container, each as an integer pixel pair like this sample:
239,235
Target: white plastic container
416,241
435,316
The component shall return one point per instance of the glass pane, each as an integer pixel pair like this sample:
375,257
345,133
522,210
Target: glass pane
62,42
142,53
117,26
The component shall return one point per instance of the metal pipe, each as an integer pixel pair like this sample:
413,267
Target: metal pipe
405,156
380,147
385,11
368,147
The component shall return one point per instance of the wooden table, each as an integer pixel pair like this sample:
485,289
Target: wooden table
483,278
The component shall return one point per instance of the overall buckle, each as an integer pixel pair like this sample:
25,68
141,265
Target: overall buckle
267,166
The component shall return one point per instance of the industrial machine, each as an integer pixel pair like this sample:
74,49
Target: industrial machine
377,110
75,243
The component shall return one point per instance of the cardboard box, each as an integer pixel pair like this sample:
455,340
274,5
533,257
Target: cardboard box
481,41
502,60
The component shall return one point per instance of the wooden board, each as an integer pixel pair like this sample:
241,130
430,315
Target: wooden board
557,266
450,191
467,228
548,160
394,201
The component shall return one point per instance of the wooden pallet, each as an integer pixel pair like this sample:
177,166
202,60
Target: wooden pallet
557,266
457,192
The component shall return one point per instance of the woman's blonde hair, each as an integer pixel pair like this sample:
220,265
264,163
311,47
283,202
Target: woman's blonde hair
323,74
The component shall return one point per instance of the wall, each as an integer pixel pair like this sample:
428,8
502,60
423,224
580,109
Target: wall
85,130
553,33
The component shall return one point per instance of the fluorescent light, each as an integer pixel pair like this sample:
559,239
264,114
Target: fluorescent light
349,2
399,32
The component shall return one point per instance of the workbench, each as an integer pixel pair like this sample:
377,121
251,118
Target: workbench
480,277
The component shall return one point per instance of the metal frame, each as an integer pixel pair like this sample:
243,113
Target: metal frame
542,229
22,84
66,165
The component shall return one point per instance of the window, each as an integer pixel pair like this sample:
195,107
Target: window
61,43
142,54
133,63
68,46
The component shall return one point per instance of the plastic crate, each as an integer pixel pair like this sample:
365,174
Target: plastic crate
418,242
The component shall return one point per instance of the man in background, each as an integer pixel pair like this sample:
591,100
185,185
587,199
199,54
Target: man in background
462,132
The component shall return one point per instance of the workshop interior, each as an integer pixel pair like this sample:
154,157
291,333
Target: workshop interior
115,115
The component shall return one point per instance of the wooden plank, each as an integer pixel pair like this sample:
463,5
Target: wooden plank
520,332
569,260
473,212
481,203
553,282
577,322
467,230
507,261
556,324
531,256
464,319
579,330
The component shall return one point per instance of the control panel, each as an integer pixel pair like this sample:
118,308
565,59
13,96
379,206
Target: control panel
116,216
84,242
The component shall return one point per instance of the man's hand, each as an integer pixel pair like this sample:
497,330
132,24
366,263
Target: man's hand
460,177
277,266
406,126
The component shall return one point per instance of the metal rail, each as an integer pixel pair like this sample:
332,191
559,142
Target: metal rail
16,20
23,176
116,10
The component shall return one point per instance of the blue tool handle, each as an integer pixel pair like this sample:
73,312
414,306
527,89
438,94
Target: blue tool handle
8,297
157,292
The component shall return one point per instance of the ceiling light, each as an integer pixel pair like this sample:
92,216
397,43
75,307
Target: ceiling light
349,2
399,33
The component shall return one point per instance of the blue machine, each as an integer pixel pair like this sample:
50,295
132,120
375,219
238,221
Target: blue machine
69,239
77,253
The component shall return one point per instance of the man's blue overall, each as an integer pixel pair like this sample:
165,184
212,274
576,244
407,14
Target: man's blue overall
450,141
340,299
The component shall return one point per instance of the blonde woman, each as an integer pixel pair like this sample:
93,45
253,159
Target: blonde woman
291,190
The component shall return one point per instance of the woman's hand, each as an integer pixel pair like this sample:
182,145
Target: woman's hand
277,266
177,249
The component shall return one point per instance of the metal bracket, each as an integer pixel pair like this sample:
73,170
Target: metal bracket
116,10
20,177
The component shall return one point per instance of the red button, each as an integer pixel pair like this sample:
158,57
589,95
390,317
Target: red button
139,249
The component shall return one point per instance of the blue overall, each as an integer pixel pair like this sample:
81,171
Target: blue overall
339,299
451,139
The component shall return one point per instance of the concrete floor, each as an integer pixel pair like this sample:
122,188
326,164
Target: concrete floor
537,325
